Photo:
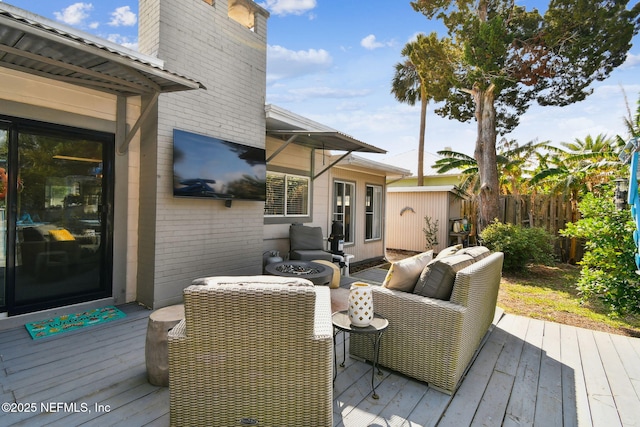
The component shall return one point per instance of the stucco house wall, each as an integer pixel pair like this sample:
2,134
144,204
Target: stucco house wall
362,249
277,235
182,239
297,160
324,167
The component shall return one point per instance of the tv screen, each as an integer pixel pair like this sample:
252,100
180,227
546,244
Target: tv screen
208,167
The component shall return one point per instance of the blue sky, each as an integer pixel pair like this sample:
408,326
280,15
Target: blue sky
332,61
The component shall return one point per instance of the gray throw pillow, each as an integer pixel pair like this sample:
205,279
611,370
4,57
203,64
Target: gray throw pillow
437,278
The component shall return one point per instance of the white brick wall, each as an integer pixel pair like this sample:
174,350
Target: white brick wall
183,239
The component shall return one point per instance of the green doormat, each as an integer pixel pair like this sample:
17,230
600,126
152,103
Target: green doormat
71,322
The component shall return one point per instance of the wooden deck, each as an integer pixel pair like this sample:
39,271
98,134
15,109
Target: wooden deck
528,372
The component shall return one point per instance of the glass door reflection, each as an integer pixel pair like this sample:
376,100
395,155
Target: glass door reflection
59,219
4,144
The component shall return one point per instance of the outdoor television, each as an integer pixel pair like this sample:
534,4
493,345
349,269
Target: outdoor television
212,168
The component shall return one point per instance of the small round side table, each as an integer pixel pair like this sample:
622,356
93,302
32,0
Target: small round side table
378,325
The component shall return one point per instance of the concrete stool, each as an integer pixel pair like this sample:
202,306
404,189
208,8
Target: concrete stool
156,351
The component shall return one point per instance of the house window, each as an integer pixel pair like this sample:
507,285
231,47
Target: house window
373,212
242,12
287,195
343,206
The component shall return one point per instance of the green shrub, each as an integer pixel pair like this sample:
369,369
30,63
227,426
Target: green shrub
608,266
520,245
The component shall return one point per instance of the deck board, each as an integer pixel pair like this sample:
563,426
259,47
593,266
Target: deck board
461,410
574,396
549,402
527,371
494,401
622,390
629,360
521,406
601,403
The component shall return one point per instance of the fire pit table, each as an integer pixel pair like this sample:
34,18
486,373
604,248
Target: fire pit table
317,273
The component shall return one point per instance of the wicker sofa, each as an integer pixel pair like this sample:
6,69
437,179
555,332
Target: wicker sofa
434,340
252,349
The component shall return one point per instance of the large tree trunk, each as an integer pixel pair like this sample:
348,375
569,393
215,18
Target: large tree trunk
423,127
485,155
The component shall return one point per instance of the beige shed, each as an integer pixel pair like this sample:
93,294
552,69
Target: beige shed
407,208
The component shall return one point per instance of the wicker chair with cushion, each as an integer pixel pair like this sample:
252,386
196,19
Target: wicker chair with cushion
252,349
434,340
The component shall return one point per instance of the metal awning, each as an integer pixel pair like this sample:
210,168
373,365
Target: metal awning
36,45
327,140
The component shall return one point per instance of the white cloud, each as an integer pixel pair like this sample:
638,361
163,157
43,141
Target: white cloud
74,14
289,7
631,61
317,92
123,40
283,62
123,16
371,43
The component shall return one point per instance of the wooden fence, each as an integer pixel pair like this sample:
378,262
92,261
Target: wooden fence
549,212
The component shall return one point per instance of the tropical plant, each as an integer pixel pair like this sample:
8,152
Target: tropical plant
430,231
608,268
504,58
514,164
579,166
632,123
576,169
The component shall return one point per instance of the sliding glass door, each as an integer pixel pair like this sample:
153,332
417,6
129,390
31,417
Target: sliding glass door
4,141
59,217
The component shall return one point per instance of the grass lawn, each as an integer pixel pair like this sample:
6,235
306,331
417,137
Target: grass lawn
549,293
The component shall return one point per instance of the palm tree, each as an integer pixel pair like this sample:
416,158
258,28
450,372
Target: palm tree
407,88
419,79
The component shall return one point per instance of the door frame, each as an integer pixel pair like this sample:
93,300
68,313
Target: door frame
15,126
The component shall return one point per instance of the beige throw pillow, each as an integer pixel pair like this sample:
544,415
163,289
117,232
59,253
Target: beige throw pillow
437,278
403,274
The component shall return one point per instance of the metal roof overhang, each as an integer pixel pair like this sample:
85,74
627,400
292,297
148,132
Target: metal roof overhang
325,140
35,45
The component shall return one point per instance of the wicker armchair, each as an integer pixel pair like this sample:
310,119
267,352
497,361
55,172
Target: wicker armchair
252,349
434,340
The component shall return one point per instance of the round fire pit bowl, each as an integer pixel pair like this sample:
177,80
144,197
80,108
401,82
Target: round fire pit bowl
318,274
